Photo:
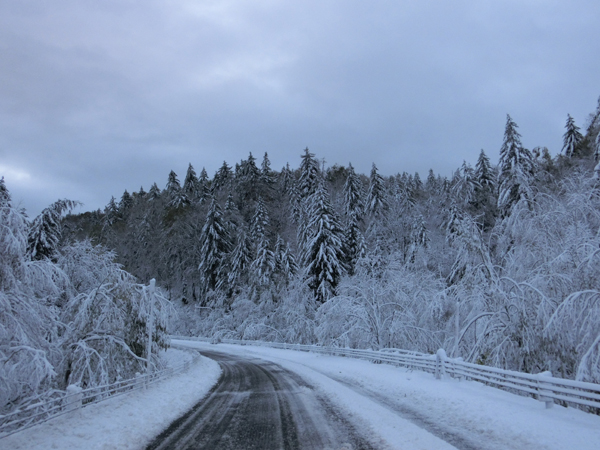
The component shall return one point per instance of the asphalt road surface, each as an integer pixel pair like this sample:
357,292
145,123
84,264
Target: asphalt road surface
259,405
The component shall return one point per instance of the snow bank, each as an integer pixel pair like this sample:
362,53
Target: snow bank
126,422
476,415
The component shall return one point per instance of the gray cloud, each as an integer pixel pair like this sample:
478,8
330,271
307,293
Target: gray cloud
99,97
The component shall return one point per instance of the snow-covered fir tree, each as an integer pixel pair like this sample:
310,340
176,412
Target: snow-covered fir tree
572,138
515,169
215,245
191,186
309,175
45,231
322,252
376,202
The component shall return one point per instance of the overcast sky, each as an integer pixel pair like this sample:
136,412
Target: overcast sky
101,96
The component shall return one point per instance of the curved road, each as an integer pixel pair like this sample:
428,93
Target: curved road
258,405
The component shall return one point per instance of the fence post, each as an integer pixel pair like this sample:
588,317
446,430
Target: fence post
140,379
74,398
440,359
543,393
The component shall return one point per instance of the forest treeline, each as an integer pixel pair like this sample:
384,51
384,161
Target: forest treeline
498,264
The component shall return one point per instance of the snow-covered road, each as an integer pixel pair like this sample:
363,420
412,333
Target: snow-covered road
405,409
259,405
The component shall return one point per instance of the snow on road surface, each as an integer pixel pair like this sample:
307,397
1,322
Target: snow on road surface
406,408
258,405
125,422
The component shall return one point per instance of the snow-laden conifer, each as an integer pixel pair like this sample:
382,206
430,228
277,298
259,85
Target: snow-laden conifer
154,192
240,260
483,171
286,179
285,261
45,231
263,265
353,243
260,221
215,245
322,252
464,184
191,186
353,194
309,174
173,183
223,177
125,204
376,202
267,177
516,169
572,138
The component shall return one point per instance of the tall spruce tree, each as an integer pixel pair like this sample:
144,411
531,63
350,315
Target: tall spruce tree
223,177
376,201
572,138
240,261
516,169
353,194
190,184
309,174
484,200
216,244
267,177
322,252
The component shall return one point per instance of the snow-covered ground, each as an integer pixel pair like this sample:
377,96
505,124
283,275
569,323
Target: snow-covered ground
475,415
128,421
394,407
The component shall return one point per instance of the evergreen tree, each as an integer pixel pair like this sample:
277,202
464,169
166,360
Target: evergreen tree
322,254
45,231
464,184
353,243
173,183
285,262
140,195
190,184
309,175
241,258
216,244
260,221
204,185
4,194
572,138
263,265
177,197
484,201
266,174
223,177
431,182
483,171
516,169
285,179
247,183
376,202
125,204
154,192
353,194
